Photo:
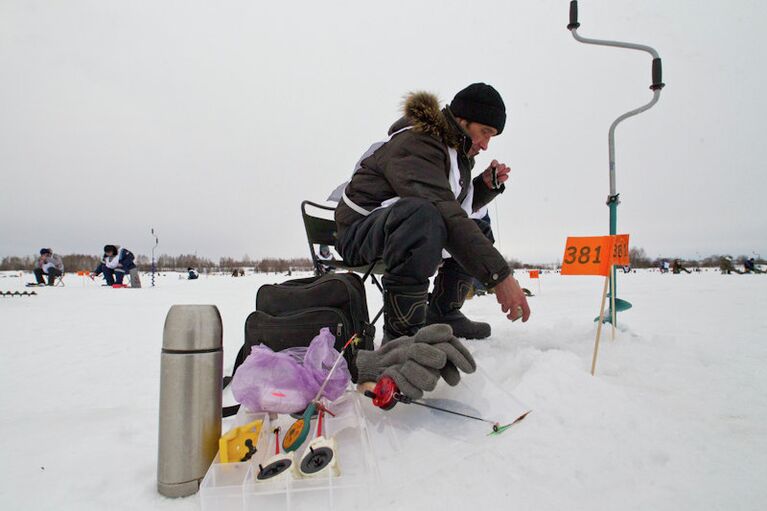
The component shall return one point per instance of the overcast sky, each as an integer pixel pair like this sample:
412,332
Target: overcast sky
211,121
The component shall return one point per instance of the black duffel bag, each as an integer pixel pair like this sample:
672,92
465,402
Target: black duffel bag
291,314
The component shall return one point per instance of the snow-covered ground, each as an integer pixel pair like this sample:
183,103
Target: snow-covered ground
676,417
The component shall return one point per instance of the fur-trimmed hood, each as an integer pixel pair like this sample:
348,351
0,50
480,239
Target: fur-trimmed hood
421,111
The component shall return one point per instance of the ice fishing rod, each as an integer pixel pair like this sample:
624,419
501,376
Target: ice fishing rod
656,86
386,394
299,430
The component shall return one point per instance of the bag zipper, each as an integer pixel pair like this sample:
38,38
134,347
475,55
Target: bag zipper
339,326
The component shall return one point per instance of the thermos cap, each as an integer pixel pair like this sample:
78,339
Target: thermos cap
192,328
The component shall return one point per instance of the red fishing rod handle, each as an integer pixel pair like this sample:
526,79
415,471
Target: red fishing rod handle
384,394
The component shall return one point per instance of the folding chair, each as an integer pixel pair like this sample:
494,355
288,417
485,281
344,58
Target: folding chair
59,281
322,231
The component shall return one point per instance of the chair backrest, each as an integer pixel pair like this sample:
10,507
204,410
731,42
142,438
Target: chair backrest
319,231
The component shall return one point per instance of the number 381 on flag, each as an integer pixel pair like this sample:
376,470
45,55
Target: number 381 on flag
594,255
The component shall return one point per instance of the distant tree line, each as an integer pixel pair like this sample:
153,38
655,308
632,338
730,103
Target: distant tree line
165,262
640,259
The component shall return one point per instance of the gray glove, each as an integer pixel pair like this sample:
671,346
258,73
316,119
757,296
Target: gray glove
416,363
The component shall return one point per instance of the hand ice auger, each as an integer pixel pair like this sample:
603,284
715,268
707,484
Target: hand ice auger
657,85
154,266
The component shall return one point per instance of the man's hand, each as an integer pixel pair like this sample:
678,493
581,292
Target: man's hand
502,174
512,299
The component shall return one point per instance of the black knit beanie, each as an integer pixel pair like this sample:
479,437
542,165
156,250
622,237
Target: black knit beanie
480,103
44,251
110,248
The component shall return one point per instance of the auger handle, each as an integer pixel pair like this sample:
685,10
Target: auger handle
573,15
657,75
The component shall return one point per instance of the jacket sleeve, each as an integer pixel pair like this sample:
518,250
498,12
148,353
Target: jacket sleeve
112,263
58,263
418,167
127,258
482,194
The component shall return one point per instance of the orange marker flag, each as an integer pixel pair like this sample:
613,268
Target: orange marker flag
596,255
588,255
534,274
621,250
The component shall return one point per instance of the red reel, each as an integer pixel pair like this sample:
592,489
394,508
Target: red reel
384,393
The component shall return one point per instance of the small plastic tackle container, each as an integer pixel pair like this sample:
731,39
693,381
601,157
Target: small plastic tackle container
221,489
234,486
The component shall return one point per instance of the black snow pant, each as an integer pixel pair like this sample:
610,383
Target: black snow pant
407,236
53,274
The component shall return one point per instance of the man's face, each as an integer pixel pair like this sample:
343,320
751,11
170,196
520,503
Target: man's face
480,135
45,256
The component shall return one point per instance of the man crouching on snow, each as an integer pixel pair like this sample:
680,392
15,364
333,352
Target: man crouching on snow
412,196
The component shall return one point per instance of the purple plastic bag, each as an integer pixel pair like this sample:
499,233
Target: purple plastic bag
318,360
286,381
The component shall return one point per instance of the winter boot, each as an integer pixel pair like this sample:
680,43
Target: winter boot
52,276
39,276
404,310
451,285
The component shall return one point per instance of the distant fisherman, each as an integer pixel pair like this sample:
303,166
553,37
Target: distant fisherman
115,263
48,264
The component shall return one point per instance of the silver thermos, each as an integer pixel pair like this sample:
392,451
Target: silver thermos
190,397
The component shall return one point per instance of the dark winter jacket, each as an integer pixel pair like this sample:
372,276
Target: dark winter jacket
53,261
124,262
416,163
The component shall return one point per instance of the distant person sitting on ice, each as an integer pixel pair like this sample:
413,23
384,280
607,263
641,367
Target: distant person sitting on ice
678,268
324,254
48,264
726,266
750,266
193,275
411,197
663,266
115,264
